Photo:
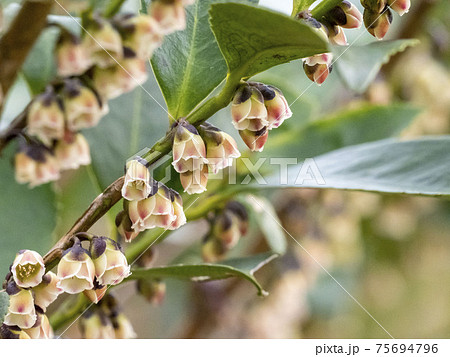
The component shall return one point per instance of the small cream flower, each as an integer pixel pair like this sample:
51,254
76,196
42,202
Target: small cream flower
28,269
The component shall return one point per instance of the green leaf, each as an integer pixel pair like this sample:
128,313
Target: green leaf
4,305
28,215
189,65
254,39
359,65
240,267
347,127
418,167
268,222
40,66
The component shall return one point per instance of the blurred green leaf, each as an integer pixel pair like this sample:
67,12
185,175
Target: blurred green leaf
418,167
28,215
347,127
17,99
40,66
268,222
240,267
189,65
4,305
254,39
359,65
136,120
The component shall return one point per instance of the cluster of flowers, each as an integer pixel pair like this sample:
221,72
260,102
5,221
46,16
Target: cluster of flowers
377,18
378,15
106,321
227,227
256,109
148,203
32,290
109,60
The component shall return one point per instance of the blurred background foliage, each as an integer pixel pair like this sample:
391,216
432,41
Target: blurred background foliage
392,253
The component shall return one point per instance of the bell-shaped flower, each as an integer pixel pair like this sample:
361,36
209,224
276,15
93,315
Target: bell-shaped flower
72,57
318,67
247,110
36,165
124,224
114,81
47,291
76,270
12,332
377,24
73,152
154,211
345,15
138,183
178,211
227,229
111,265
83,107
104,43
195,182
401,7
45,118
221,148
41,329
21,311
189,150
96,294
276,104
170,16
123,329
95,325
213,250
153,290
28,269
144,37
336,36
255,140
239,210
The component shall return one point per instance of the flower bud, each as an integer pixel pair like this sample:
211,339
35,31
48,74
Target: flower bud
221,148
336,36
178,211
103,43
144,37
12,332
28,269
227,229
318,67
96,294
241,213
73,152
138,183
83,107
374,5
189,150
154,211
76,270
123,329
195,181
47,291
95,325
213,250
170,16
247,110
21,311
45,118
41,329
114,81
401,7
276,104
345,15
123,224
255,140
153,290
35,165
111,265
72,57
378,24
